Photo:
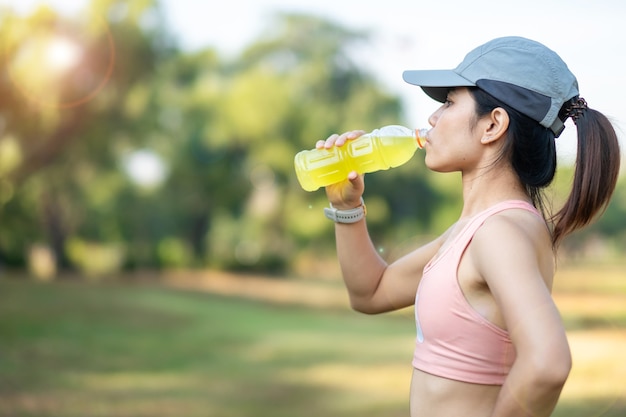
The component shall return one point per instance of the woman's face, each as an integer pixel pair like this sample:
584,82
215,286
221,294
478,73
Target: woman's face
453,144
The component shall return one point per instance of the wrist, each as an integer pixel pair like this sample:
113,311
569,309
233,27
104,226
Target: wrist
351,215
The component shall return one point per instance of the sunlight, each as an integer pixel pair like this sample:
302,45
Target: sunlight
59,62
41,61
62,54
47,52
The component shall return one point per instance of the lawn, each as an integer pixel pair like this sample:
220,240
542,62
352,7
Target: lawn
75,349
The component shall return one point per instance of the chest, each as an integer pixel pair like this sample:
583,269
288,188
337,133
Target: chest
452,274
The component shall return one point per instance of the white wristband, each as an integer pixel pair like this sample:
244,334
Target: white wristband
346,216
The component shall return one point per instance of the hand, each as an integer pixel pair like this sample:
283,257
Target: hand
346,194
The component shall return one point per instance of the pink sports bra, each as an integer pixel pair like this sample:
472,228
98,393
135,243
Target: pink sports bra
453,340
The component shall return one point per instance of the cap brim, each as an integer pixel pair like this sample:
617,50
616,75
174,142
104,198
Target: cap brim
436,83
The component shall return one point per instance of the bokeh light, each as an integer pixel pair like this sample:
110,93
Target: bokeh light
145,168
62,54
57,61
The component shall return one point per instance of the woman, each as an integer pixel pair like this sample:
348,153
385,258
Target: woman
490,341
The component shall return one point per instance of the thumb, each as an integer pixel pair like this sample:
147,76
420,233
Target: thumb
356,181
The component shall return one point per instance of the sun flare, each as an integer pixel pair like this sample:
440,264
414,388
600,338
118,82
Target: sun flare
62,54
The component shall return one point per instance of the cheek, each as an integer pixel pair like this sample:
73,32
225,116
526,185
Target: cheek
446,158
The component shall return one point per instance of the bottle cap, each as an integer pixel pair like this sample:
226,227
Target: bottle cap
420,135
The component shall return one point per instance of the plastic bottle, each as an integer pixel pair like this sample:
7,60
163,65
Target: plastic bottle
383,148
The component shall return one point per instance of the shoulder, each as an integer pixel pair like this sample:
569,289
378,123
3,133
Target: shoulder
514,239
515,227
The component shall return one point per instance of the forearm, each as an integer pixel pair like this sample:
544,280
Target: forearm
361,265
529,392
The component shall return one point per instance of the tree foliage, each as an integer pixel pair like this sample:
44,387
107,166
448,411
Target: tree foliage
142,155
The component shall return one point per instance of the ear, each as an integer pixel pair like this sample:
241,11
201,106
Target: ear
495,125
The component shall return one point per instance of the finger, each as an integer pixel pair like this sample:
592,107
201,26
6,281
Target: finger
330,142
342,139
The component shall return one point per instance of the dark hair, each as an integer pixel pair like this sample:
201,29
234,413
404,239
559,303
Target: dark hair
531,150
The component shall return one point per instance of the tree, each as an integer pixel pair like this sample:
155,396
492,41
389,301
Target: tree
68,127
219,137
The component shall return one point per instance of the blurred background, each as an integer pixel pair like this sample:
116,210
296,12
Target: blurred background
156,251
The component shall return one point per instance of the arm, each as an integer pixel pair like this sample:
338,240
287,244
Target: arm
373,285
516,262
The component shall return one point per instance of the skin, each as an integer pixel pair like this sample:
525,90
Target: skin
506,273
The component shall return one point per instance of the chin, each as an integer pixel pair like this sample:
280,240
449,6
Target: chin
433,166
439,167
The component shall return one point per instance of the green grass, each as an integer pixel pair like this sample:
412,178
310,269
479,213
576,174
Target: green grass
75,349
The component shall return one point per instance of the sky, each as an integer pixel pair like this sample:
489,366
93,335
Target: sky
589,36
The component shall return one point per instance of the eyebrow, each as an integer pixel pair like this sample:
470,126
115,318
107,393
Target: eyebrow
453,91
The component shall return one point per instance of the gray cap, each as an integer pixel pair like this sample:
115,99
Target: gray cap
521,73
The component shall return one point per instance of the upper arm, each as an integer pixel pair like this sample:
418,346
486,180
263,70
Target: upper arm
398,285
515,260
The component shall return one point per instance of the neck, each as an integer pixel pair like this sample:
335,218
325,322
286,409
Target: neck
488,186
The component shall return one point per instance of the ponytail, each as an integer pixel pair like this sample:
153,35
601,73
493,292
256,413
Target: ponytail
531,150
595,175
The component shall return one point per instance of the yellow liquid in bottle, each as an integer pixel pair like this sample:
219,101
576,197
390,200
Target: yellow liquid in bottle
369,153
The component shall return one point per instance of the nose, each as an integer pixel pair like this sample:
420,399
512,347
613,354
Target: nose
432,120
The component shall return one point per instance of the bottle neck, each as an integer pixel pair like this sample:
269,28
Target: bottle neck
420,137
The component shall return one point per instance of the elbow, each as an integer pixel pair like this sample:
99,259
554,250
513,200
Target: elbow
561,374
555,376
551,370
561,365
362,305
